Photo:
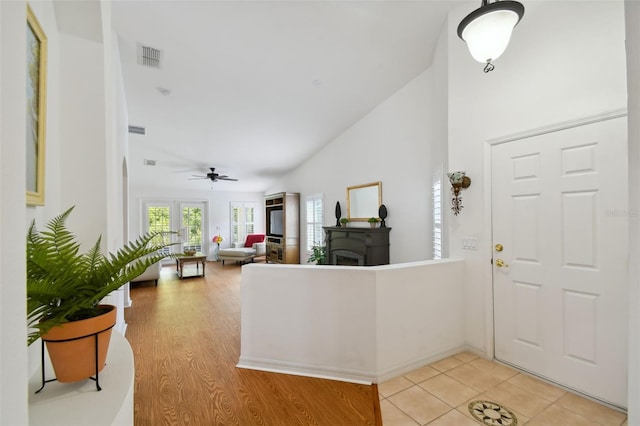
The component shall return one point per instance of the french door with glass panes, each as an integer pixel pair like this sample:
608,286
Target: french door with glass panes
185,219
191,225
157,218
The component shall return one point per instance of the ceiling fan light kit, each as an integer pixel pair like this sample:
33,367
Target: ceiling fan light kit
487,30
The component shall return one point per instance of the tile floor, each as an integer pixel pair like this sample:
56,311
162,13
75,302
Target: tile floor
439,395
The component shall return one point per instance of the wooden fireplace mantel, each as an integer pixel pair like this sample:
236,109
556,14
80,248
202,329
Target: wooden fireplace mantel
358,246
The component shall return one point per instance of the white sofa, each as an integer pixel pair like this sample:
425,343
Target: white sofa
152,273
241,254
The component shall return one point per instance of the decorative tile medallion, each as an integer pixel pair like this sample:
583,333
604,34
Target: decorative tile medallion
492,414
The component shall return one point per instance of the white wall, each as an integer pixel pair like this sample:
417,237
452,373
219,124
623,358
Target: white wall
391,144
17,361
419,314
120,123
118,184
564,62
91,154
219,204
83,138
115,145
76,141
13,351
45,13
355,324
317,321
632,11
440,125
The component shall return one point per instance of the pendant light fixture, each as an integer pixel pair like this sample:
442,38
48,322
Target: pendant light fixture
487,30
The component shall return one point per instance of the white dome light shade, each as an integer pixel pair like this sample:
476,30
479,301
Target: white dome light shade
488,36
487,30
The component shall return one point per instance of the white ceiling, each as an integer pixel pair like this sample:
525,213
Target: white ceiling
259,87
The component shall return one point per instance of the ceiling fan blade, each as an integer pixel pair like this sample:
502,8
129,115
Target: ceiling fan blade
213,176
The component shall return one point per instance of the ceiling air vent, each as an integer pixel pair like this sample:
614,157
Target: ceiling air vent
138,130
149,162
149,56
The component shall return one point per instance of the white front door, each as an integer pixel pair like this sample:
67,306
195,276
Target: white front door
559,210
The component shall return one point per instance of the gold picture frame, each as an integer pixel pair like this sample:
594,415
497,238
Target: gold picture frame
36,109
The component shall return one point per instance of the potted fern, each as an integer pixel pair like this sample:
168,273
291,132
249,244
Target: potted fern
373,222
65,287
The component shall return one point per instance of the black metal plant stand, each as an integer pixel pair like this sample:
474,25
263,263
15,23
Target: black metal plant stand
95,336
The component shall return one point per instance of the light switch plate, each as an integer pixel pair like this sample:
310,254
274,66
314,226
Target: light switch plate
470,243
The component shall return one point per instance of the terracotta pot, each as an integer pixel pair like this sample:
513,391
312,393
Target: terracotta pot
75,360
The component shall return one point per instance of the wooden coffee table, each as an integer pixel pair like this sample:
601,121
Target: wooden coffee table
197,258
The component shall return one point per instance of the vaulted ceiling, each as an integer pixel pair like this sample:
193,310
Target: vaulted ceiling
256,88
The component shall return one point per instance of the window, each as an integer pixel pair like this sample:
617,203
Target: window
159,220
315,221
242,221
192,223
437,217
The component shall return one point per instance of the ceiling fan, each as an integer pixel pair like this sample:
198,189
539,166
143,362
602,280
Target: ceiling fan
213,176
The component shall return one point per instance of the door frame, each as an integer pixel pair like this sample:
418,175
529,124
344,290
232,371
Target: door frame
488,203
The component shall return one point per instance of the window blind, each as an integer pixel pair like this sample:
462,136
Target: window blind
437,217
315,221
242,220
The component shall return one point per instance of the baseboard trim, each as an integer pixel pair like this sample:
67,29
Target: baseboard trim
350,376
401,369
345,375
482,354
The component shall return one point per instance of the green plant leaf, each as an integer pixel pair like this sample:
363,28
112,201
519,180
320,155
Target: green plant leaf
63,284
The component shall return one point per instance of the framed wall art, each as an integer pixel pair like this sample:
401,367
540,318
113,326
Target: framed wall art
36,109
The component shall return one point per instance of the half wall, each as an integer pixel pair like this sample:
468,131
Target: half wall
358,324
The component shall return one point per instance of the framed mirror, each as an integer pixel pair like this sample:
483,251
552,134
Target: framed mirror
363,201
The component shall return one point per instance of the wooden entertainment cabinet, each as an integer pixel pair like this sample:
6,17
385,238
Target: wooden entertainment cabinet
282,216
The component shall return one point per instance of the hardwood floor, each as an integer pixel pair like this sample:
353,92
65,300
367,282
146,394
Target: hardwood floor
185,335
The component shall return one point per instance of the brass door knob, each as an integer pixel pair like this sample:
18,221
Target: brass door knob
500,263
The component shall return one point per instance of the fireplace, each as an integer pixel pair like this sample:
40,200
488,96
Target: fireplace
357,246
347,257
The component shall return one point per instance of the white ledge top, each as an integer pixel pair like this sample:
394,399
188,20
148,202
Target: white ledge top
404,265
80,403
